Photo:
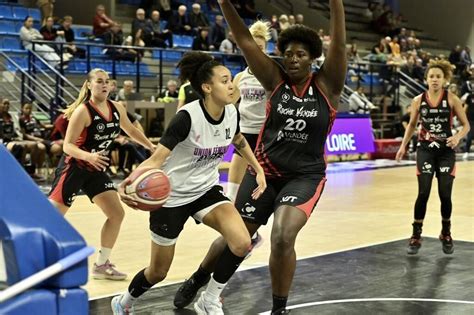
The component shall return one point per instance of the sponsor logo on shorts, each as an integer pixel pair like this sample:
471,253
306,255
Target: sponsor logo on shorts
427,168
109,185
288,199
248,210
444,169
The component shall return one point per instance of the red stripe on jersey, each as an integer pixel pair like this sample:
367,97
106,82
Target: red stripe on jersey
331,107
303,91
437,103
309,205
57,193
332,117
82,138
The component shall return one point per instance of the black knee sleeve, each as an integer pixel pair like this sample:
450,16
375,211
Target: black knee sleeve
139,284
445,188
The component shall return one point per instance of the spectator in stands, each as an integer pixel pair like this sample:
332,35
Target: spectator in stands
248,10
299,19
376,13
468,101
139,22
384,24
283,23
115,37
34,130
126,91
228,45
368,12
179,23
158,37
197,19
291,19
201,41
101,22
465,57
412,69
28,34
455,57
165,9
52,34
217,33
135,40
395,47
170,93
403,34
46,7
358,102
69,38
213,6
380,51
113,90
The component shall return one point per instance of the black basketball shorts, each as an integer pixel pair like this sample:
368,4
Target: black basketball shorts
69,178
167,223
302,192
430,161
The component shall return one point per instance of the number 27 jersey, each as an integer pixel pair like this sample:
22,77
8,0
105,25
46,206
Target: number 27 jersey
292,139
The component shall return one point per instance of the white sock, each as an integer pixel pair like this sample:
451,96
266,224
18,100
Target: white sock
127,300
103,256
214,290
232,189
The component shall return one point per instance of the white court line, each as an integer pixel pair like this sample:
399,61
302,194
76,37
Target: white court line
372,300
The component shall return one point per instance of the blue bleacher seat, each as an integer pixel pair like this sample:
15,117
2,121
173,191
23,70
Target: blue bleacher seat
35,14
95,51
186,41
20,61
145,70
20,13
170,55
77,67
18,25
126,68
6,12
12,44
7,27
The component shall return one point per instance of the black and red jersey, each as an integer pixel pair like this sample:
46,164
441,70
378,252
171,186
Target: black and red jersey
100,134
435,119
292,139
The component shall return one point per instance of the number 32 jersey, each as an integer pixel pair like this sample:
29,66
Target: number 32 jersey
100,134
292,140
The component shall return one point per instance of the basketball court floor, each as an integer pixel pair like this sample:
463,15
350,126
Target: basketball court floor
352,252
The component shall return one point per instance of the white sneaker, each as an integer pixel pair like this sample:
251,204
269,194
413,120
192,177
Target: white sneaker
465,156
204,307
118,309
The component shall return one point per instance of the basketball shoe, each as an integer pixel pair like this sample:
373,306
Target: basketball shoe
415,240
281,311
188,291
118,309
205,307
255,242
446,239
107,271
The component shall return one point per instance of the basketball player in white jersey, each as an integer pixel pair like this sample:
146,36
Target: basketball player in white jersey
190,152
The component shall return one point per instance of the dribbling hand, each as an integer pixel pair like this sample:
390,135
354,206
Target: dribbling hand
99,161
262,185
124,197
400,153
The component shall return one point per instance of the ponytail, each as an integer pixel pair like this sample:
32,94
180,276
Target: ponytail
84,94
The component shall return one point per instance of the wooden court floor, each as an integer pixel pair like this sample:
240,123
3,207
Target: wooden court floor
357,209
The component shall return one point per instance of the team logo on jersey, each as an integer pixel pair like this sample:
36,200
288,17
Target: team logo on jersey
285,97
116,115
424,111
96,117
310,91
445,104
110,125
100,127
280,135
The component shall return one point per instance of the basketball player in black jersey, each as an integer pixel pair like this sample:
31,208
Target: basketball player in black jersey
94,122
290,147
435,152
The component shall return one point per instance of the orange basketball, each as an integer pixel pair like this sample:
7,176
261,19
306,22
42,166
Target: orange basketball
149,187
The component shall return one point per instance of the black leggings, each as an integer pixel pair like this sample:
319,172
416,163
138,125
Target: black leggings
445,187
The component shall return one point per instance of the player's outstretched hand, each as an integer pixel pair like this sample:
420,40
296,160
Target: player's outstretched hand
400,154
262,185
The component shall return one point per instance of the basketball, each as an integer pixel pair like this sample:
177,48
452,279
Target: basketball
149,187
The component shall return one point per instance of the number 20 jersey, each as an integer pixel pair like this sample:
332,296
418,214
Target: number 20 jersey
292,140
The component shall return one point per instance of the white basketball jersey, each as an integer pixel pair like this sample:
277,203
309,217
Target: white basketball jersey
252,103
193,166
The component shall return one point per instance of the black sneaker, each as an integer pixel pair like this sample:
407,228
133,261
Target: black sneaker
414,245
281,311
188,291
447,242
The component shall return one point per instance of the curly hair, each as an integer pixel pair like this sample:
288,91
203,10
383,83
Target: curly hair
301,34
261,29
443,65
197,67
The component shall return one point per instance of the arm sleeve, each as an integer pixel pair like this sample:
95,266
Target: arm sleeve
177,130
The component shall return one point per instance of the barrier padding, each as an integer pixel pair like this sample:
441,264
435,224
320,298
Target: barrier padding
34,233
72,301
33,302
